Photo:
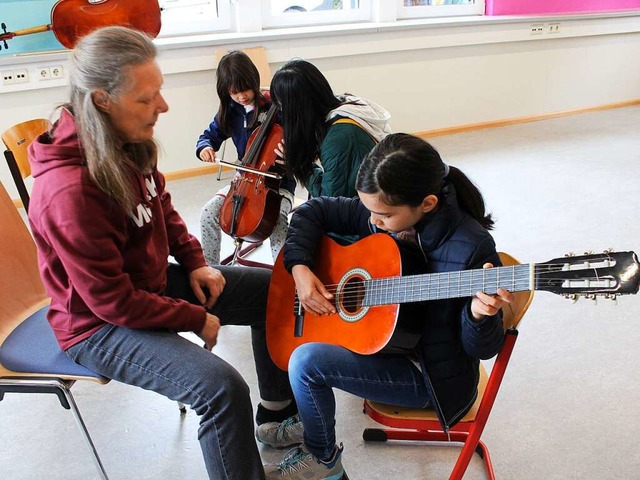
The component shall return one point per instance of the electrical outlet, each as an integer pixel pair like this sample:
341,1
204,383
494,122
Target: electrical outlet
44,73
21,76
537,29
57,71
554,28
8,78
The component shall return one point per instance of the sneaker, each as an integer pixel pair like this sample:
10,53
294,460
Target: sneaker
263,415
300,464
281,435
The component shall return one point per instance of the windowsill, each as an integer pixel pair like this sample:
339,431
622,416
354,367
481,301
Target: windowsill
193,53
217,38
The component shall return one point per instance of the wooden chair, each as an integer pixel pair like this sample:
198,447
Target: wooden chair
423,425
30,359
16,140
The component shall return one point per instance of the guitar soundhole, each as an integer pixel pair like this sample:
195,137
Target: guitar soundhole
353,294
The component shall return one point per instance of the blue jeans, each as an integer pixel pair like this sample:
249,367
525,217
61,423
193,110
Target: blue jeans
316,368
166,363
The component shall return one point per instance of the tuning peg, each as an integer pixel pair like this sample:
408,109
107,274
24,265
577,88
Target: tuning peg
611,296
589,252
592,296
570,254
571,296
4,31
609,250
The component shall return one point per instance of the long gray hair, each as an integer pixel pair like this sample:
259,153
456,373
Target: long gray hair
101,61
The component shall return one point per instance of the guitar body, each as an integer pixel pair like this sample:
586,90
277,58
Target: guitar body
364,330
72,19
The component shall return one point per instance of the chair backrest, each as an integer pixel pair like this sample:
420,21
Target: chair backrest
258,56
18,138
513,313
21,290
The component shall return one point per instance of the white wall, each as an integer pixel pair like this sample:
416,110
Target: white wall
427,76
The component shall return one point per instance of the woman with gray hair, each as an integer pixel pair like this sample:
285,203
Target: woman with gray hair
105,225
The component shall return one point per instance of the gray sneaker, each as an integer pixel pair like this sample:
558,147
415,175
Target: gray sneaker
281,435
300,464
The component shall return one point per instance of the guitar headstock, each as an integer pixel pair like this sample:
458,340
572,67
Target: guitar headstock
607,274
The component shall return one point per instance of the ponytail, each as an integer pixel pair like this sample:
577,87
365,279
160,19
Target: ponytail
469,197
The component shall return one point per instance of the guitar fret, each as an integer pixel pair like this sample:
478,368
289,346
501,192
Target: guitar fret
443,285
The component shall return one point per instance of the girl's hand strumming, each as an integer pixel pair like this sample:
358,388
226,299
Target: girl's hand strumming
311,292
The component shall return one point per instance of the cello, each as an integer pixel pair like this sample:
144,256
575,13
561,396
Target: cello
251,208
72,19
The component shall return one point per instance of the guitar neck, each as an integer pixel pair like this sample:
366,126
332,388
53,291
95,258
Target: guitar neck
439,286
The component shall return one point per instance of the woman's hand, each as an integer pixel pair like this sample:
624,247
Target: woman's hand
209,332
484,305
207,154
211,279
311,292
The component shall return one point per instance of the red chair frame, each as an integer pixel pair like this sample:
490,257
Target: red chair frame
423,425
238,257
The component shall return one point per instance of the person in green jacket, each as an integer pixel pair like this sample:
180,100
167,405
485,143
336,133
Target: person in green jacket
326,136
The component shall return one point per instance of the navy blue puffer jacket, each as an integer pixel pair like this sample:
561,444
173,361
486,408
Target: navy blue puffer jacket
452,342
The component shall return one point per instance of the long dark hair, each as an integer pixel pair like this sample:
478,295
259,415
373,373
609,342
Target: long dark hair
304,97
404,169
236,72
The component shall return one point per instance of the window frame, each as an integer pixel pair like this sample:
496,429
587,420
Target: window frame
428,11
325,17
177,23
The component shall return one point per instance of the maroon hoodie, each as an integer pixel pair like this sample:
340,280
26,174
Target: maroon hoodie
99,263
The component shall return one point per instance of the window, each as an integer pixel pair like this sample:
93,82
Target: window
290,13
184,17
439,8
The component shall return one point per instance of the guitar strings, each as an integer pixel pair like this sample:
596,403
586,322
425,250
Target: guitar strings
439,283
521,274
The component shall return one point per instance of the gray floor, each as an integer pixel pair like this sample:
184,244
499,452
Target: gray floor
568,405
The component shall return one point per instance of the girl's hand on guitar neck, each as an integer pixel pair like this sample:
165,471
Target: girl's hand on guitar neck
311,292
484,305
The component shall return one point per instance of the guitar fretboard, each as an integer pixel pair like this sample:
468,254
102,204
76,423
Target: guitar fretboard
438,286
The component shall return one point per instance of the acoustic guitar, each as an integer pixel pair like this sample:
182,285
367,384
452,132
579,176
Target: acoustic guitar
379,297
72,19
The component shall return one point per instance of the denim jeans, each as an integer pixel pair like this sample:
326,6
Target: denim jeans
166,363
316,368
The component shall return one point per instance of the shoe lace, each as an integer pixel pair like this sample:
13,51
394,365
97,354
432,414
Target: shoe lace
282,431
294,460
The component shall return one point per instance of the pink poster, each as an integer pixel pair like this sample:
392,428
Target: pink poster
527,7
